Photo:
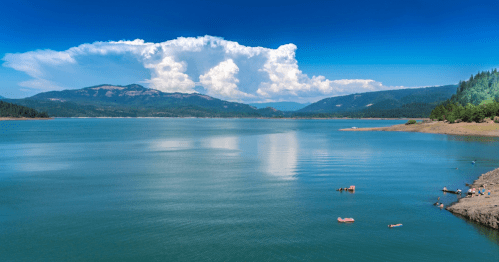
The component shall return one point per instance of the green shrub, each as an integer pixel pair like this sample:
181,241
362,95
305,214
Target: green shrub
411,122
451,118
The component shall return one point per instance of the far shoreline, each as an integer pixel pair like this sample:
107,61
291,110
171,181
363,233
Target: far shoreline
276,118
23,118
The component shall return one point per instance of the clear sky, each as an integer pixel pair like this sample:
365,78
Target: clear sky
245,51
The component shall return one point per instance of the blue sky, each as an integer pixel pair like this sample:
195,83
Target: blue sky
245,51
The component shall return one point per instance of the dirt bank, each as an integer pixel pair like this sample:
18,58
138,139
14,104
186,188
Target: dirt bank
465,129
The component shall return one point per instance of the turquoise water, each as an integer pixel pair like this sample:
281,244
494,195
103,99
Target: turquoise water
234,190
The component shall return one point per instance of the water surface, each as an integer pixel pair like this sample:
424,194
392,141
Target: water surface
234,190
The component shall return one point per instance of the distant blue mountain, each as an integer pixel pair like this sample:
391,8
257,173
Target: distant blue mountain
282,106
382,100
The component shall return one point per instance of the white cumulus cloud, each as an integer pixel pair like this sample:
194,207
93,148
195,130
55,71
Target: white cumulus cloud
207,64
221,80
168,75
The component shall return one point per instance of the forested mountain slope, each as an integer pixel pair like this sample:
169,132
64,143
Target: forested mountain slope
381,100
475,100
136,101
483,86
13,110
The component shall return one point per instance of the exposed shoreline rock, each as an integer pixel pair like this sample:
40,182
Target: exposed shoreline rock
482,209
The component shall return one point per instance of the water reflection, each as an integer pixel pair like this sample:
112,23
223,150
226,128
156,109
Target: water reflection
35,157
481,139
26,150
231,143
332,154
38,166
279,153
492,235
171,145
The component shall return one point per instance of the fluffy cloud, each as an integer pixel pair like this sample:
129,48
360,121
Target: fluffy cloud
168,75
221,80
206,64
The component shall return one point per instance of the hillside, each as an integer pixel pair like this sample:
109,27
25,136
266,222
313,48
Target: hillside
382,100
475,100
136,101
483,86
17,111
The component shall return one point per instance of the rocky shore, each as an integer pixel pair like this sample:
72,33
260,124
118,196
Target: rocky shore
488,128
483,209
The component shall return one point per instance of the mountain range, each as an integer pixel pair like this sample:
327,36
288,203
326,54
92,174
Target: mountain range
389,99
414,102
137,101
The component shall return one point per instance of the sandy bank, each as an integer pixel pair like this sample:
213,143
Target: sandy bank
21,118
483,209
465,129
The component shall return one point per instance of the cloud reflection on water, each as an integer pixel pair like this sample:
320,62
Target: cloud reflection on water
35,157
279,154
230,143
171,145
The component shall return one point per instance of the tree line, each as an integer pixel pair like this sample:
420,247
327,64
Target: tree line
13,110
469,113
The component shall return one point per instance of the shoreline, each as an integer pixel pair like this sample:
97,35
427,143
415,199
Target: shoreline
276,118
483,209
488,128
22,118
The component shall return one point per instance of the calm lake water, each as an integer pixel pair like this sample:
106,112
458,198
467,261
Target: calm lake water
235,190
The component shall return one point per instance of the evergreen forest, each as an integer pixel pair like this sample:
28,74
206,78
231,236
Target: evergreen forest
474,101
17,111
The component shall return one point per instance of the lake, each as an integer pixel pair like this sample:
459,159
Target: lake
235,190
